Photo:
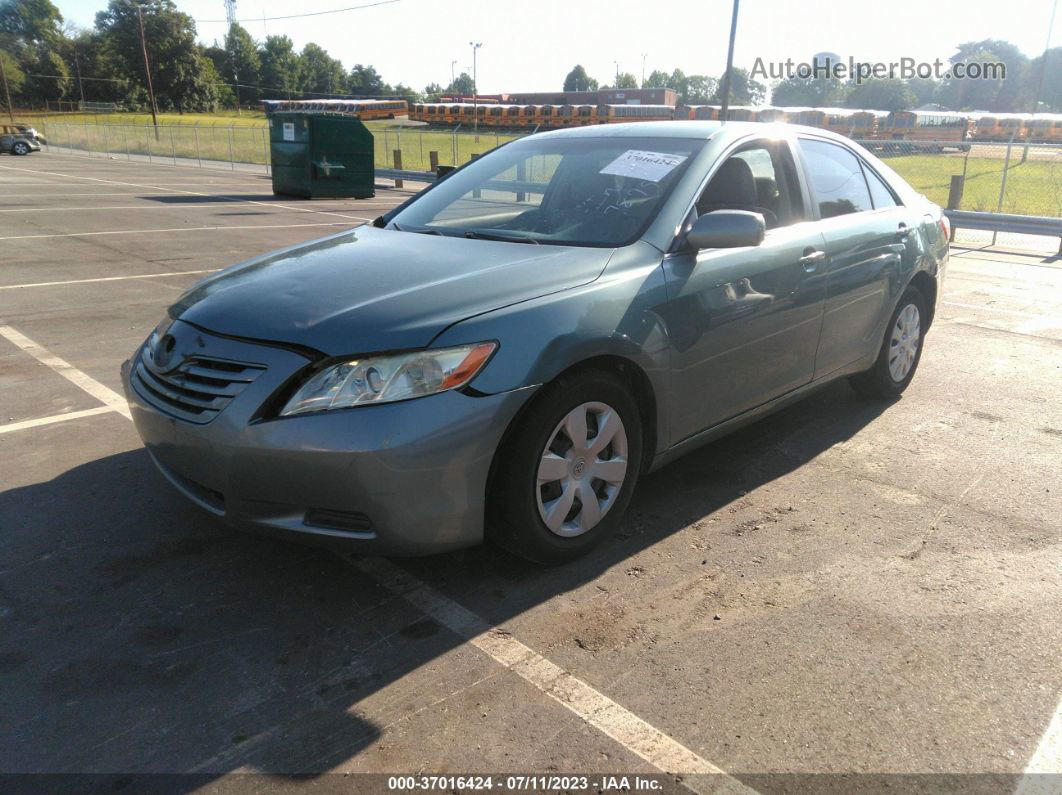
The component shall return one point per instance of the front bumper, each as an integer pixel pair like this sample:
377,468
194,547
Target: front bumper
401,478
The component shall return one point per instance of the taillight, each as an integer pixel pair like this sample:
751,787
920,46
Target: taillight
945,226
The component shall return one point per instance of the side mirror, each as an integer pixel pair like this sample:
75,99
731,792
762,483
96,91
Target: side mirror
726,229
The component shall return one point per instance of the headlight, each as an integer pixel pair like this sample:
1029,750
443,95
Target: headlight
384,379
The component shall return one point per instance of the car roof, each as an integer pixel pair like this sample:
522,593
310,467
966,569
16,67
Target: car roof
691,129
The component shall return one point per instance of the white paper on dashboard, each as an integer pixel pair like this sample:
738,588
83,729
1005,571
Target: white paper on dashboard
650,166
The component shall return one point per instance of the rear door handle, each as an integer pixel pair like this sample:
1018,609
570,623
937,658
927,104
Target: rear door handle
812,259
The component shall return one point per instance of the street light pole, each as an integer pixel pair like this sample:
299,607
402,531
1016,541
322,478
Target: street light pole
724,89
453,75
644,55
475,45
617,75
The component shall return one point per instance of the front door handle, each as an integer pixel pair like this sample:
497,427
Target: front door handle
903,231
811,259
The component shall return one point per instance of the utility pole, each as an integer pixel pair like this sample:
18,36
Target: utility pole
147,71
7,92
475,45
80,86
724,89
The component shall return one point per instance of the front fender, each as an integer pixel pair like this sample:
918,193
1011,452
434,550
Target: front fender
613,316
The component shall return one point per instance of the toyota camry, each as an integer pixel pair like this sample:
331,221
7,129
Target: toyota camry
505,354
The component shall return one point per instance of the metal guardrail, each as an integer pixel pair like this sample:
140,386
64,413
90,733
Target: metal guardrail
401,174
1003,222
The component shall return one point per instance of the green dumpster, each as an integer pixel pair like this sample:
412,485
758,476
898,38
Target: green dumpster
321,154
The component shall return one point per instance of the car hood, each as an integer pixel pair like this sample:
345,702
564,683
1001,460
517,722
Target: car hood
371,289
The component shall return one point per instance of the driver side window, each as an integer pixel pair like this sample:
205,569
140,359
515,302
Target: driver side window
759,178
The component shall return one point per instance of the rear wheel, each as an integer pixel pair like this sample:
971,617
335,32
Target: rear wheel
565,475
20,148
900,351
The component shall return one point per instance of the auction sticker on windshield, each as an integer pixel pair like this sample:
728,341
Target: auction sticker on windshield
650,166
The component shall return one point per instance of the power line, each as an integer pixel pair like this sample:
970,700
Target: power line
308,14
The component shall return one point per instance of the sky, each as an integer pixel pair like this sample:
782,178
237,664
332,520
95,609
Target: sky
530,46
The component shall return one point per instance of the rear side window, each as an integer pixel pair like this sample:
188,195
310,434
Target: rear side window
837,182
879,193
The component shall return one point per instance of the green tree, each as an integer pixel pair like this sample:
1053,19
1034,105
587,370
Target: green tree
578,80
882,94
365,81
657,79
407,93
280,67
15,76
743,89
627,80
244,64
817,92
31,22
40,63
699,90
461,86
924,89
1049,96
319,72
179,71
432,92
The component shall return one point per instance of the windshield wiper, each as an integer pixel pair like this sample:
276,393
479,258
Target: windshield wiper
397,228
472,235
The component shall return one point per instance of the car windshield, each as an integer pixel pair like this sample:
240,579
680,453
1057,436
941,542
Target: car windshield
561,191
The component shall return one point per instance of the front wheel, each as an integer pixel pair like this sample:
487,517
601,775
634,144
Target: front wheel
901,350
20,148
565,474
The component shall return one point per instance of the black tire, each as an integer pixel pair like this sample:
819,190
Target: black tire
513,517
878,381
20,148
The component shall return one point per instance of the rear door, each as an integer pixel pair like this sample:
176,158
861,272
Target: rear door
871,243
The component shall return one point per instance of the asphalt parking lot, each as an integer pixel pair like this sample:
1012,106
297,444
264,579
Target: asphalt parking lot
844,589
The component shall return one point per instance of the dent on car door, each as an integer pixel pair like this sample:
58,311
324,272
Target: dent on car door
744,322
870,246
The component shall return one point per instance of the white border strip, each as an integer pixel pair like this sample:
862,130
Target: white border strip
104,394
107,279
70,415
174,229
597,709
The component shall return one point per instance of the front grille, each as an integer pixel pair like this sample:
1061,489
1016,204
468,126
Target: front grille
197,389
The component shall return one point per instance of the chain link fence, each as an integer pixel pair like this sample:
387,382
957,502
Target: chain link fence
232,146
1016,178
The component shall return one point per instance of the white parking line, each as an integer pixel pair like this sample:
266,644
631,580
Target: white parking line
70,415
177,190
106,279
161,206
1000,310
597,709
1043,774
104,394
174,229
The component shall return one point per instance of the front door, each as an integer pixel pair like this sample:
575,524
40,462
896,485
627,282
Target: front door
744,323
